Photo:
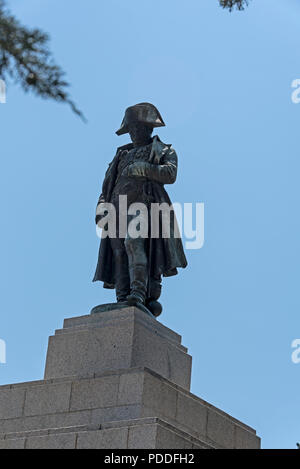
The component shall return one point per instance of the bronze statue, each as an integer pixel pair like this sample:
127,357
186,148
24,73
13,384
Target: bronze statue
134,266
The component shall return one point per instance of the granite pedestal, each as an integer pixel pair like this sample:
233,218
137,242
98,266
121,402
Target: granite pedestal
114,380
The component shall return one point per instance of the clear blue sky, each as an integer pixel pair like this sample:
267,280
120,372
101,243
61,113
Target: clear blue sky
223,85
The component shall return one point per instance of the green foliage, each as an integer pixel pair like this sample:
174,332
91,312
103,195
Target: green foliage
231,4
25,58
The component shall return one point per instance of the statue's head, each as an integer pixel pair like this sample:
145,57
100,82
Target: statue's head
140,133
139,121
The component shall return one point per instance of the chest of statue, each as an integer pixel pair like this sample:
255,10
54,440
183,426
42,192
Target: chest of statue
134,188
135,154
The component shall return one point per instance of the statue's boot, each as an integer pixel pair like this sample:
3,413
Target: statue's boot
122,279
138,284
154,307
154,292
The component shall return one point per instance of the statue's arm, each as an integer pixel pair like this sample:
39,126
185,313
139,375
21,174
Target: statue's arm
164,173
101,199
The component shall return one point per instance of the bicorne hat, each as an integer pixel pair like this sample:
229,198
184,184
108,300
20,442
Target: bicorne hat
145,113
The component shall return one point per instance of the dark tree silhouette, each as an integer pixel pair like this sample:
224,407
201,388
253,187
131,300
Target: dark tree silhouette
25,57
230,4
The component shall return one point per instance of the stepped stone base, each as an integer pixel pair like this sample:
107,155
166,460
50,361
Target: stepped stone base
149,433
111,340
129,407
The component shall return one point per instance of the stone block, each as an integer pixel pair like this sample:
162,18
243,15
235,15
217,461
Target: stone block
191,414
59,441
159,397
18,443
115,438
85,352
11,403
168,439
142,437
47,399
113,414
114,340
60,420
220,430
245,439
161,355
131,388
95,393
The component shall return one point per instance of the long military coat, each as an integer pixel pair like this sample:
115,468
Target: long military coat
166,253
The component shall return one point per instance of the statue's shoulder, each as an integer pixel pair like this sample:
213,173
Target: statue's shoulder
119,151
128,146
164,150
161,146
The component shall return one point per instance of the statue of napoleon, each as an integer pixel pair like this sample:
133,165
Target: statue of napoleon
134,265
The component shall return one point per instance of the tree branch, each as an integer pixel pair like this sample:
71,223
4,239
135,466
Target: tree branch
231,4
25,57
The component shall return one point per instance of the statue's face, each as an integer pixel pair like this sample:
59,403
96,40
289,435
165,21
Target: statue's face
139,133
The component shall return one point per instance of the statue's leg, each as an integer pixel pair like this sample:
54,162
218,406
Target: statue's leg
155,288
138,269
122,280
